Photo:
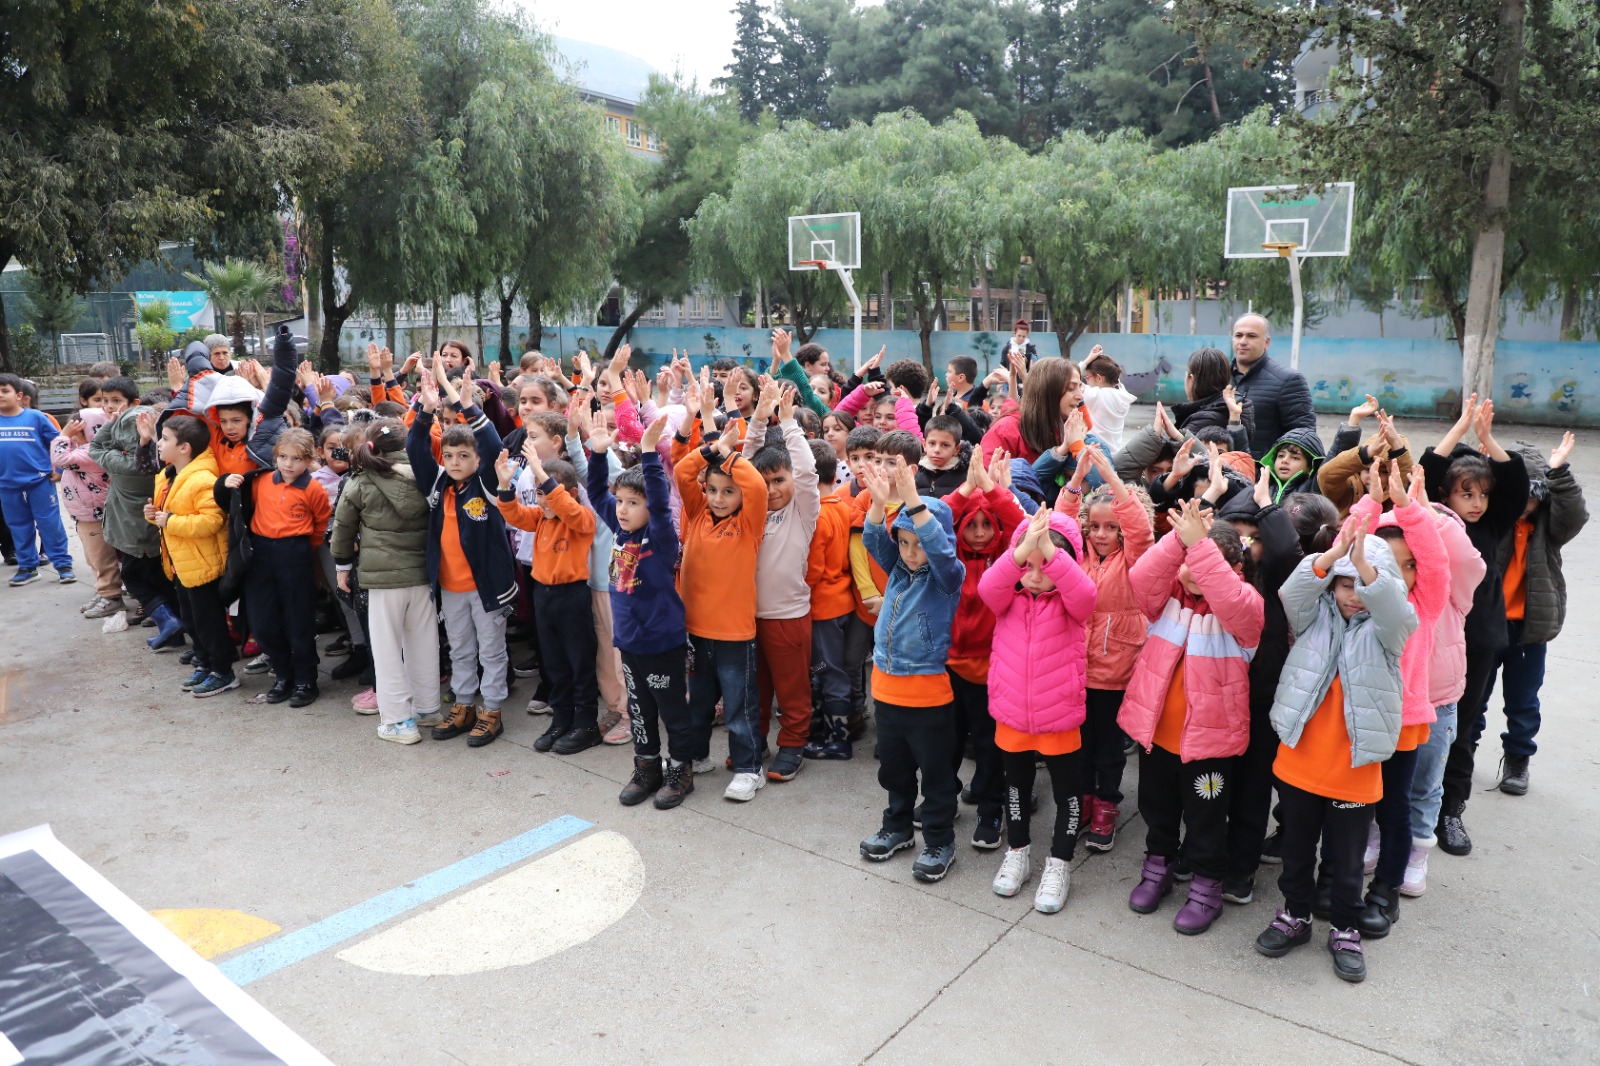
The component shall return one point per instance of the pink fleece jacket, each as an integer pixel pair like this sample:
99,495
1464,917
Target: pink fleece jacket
1117,629
1038,662
1428,595
1214,636
84,484
905,411
1447,666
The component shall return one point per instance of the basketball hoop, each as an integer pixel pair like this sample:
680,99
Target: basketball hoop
1283,248
830,242
819,264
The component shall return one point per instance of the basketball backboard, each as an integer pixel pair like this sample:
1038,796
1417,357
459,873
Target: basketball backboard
1316,221
831,239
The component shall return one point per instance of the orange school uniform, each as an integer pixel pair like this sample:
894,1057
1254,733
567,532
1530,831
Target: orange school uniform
1320,763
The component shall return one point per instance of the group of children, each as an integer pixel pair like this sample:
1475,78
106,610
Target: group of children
1008,575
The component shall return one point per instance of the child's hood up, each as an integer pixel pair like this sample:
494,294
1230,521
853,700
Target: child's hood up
1059,523
1378,554
936,507
226,389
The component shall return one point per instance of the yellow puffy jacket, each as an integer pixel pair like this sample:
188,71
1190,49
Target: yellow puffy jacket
194,546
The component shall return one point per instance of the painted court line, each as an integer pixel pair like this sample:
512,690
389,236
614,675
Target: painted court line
353,921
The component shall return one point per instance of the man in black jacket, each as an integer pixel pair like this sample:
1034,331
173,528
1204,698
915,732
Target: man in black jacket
1280,396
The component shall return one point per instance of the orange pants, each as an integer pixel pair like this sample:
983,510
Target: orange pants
783,668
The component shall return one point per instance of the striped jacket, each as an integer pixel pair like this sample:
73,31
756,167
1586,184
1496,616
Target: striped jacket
1214,636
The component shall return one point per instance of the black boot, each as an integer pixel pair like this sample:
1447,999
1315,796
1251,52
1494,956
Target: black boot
357,662
1452,834
1381,912
647,777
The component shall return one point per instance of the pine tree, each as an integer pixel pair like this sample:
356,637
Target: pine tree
750,72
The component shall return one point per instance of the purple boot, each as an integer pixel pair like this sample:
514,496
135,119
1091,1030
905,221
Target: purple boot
1205,903
1155,881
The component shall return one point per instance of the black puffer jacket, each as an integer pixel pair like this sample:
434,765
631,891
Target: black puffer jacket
1560,516
1282,401
1486,622
1196,415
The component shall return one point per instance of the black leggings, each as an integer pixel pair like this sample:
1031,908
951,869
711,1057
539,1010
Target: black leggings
1470,709
1342,828
1066,783
658,695
974,722
1103,758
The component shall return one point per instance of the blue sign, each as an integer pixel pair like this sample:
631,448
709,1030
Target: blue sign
182,305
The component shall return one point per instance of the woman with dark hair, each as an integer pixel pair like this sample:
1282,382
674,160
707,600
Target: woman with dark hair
1211,402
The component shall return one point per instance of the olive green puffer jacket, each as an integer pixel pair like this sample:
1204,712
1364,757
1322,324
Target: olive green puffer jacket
389,516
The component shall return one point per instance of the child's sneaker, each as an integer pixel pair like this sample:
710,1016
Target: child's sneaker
743,787
425,720
400,732
1369,860
258,665
704,766
785,766
618,730
1349,962
24,577
1102,832
1283,935
1015,869
934,863
538,706
251,649
461,719
104,609
485,729
1052,892
214,684
1416,879
1272,847
882,844
194,679
66,576
986,834
366,702
93,602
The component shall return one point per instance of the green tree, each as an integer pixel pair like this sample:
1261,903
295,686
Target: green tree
701,135
153,329
235,287
1472,108
53,308
749,74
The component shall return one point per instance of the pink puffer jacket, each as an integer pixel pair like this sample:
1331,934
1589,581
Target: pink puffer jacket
1447,667
1117,629
1214,636
1429,596
84,484
1037,664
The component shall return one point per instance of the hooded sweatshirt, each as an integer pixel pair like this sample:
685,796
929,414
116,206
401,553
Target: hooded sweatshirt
973,633
647,615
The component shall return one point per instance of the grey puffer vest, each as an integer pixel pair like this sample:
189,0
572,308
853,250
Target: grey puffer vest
1364,652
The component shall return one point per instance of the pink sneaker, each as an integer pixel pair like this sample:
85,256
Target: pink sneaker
621,731
365,702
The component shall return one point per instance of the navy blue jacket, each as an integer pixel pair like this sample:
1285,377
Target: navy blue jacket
646,610
478,521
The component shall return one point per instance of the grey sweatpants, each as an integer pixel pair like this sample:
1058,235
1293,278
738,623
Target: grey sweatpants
476,636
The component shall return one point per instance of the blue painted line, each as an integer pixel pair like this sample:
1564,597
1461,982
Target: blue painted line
353,921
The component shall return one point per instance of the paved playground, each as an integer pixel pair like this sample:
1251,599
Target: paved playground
728,932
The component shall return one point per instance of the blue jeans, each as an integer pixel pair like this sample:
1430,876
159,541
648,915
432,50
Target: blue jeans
725,668
36,506
1521,668
1427,782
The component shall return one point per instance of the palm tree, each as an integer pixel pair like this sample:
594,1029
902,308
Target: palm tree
263,287
152,329
236,286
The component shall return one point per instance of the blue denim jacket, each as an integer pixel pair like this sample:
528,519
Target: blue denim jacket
912,635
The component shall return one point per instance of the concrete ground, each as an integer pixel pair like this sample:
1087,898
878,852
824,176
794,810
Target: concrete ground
759,934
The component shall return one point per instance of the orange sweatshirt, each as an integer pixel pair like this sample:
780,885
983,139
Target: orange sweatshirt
562,540
298,508
828,567
717,574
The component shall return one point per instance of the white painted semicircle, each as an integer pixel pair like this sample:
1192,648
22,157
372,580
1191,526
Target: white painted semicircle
529,914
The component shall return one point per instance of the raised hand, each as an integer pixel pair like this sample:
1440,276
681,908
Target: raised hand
652,434
429,391
905,478
145,424
1230,396
1037,530
175,373
1398,492
1364,410
1263,493
1391,436
374,360
728,443
585,369
502,469
1358,552
1085,464
386,361
691,400
619,361
578,417
413,361
878,485
494,372
1483,424
1189,526
1000,469
781,340
1373,480
1562,452
786,401
766,399
1185,461
1216,477
872,364
873,388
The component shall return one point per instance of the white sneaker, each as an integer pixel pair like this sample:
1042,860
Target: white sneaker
705,766
400,732
430,719
1415,882
743,787
538,706
1015,869
1053,882
91,605
1369,861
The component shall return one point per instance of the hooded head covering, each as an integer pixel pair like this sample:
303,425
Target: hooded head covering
936,507
229,389
1066,525
1025,486
1378,554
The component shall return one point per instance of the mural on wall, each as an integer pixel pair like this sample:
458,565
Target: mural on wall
1535,381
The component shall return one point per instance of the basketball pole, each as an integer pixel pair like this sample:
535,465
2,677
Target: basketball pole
1291,251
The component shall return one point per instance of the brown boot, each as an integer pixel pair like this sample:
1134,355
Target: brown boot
487,728
676,785
462,717
646,779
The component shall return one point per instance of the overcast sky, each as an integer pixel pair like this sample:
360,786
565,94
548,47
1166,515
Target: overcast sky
696,35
